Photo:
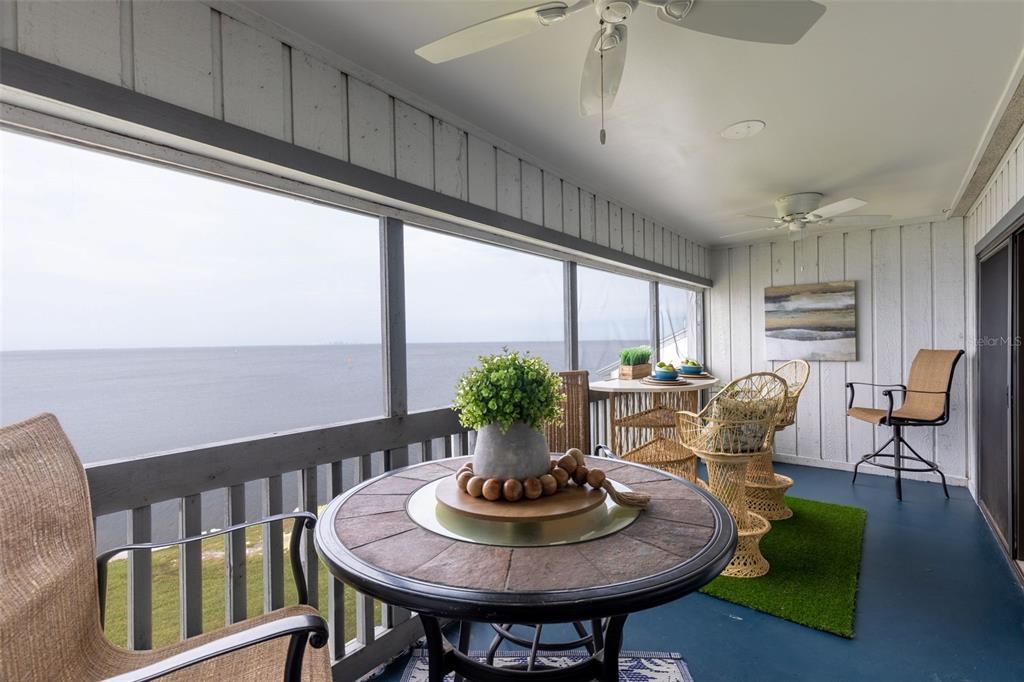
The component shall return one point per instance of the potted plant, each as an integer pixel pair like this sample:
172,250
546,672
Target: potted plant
634,363
508,398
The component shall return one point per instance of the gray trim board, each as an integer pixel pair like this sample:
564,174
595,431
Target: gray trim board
570,303
1001,230
1002,137
54,82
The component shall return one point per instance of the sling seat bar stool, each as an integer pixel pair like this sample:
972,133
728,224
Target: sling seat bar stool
51,612
925,403
766,490
735,426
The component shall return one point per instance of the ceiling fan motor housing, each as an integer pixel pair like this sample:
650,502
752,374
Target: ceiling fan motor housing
795,206
615,11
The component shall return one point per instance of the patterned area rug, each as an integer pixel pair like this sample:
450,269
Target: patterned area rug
634,666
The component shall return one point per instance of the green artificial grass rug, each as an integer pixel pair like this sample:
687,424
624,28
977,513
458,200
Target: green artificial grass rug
815,562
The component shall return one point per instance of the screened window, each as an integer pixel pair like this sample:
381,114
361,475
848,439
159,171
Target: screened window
677,313
614,313
465,299
152,309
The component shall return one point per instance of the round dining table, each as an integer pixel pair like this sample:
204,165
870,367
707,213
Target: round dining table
375,539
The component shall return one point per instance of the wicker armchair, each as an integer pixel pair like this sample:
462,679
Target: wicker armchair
737,424
50,613
766,490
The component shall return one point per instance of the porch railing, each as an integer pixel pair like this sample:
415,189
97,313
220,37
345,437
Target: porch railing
318,459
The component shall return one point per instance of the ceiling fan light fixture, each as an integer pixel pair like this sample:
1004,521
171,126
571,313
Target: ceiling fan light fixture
741,130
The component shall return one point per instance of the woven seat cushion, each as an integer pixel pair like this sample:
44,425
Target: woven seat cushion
49,610
738,425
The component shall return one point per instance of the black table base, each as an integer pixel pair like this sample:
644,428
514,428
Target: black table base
602,663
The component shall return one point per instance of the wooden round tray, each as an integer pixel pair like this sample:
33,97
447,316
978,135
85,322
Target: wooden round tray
566,502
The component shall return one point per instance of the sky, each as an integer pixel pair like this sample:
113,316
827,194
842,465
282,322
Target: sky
99,251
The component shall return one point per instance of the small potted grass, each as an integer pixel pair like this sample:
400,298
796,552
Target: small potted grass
634,363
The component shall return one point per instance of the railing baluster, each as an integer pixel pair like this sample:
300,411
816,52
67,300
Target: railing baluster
427,448
464,444
448,447
366,630
140,580
190,570
273,546
336,588
235,602
307,496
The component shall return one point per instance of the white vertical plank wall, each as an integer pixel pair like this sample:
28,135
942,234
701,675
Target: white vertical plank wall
808,410
910,295
832,375
225,62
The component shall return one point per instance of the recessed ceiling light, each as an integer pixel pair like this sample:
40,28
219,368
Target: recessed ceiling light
743,129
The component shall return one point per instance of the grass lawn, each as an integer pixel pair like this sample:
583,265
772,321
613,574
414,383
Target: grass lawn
165,590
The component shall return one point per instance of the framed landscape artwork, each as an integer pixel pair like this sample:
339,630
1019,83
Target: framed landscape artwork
811,322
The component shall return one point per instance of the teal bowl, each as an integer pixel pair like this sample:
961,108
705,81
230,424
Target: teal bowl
691,369
665,375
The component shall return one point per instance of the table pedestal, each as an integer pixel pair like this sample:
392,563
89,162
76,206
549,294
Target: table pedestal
444,657
727,477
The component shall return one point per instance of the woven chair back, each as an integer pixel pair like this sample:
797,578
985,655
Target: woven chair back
740,418
795,373
49,610
574,431
931,371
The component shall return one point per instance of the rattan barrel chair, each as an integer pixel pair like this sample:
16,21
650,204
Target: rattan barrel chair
736,425
766,490
51,607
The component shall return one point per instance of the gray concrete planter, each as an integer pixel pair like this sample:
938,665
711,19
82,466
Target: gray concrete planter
519,453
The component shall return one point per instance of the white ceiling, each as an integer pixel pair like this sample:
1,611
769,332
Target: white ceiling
885,101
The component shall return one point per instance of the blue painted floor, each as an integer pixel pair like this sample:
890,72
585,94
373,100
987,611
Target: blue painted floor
937,601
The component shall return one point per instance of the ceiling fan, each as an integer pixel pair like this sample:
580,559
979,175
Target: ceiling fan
796,212
781,22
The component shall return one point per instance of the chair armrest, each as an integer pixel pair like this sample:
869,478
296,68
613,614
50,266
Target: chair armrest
302,519
299,628
866,383
605,451
850,390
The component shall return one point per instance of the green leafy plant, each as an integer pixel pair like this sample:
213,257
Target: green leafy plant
507,388
640,355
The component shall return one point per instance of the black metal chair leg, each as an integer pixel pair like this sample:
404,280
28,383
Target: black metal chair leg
897,452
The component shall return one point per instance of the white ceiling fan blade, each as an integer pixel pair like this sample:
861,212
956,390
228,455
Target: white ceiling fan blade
743,234
782,22
612,42
834,209
855,221
493,32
